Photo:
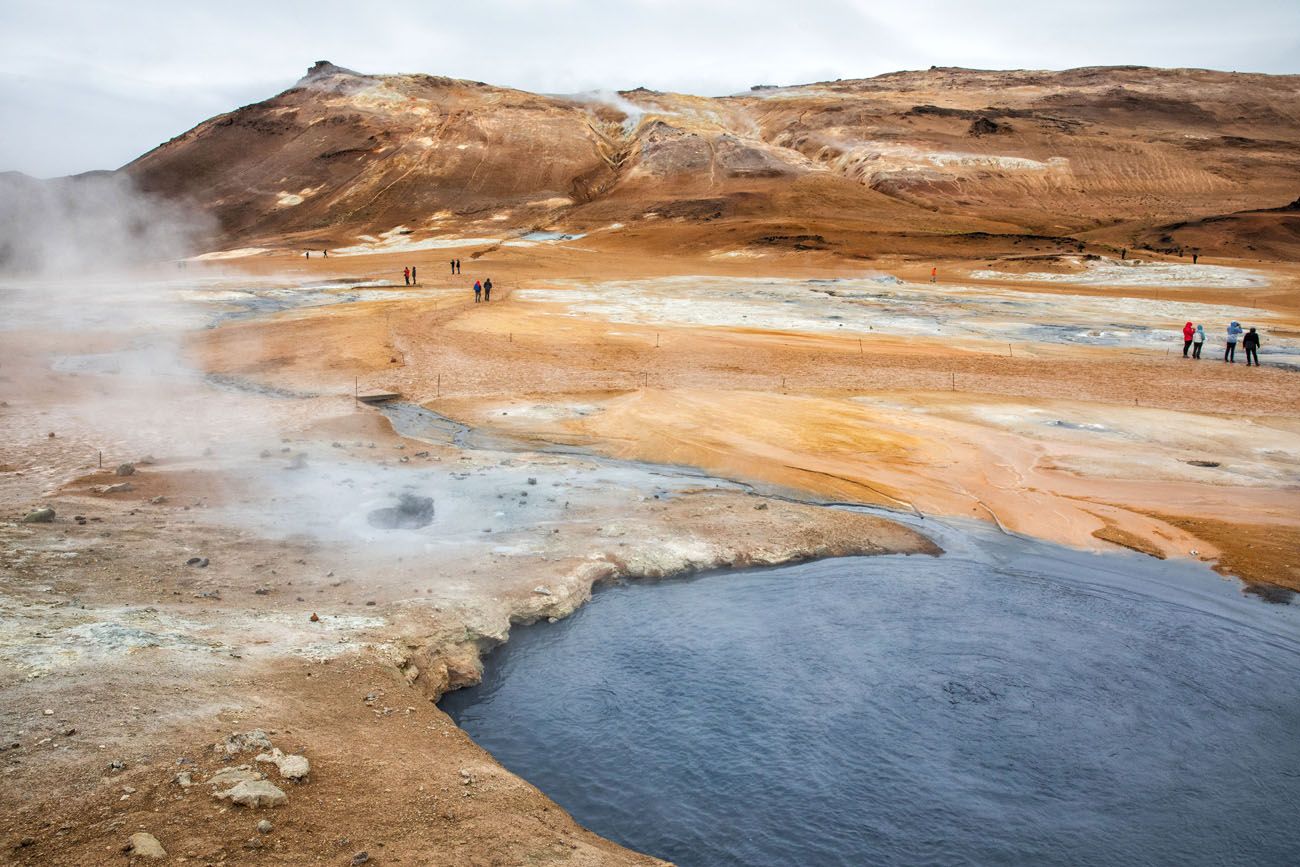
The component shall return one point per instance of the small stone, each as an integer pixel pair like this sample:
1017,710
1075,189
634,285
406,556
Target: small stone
360,858
124,470
265,826
144,845
761,506
532,481
184,779
39,516
117,765
158,501
259,793
315,618
48,712
541,590
291,767
199,562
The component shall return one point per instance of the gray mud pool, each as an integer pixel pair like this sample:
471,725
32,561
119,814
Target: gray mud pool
1009,703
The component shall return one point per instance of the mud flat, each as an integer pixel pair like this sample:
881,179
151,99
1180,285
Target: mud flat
280,558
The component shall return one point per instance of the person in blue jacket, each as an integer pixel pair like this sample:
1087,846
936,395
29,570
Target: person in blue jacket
1230,348
1198,340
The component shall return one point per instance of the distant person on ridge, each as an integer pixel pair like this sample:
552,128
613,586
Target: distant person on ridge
478,290
1198,340
413,280
457,266
453,266
406,275
1230,349
1123,253
1195,256
487,289
1188,334
934,275
1250,343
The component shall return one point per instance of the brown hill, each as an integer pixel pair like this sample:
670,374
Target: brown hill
848,166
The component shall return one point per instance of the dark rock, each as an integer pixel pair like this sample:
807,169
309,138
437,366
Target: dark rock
410,513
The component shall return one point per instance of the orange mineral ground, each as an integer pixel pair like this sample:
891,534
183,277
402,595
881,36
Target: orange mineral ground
952,293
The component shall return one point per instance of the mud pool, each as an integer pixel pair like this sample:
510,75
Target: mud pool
1010,702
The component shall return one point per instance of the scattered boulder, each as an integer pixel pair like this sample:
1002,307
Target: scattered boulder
184,779
39,516
315,618
360,858
761,506
240,742
144,845
541,590
234,776
119,488
410,513
291,767
265,826
254,794
127,469
199,562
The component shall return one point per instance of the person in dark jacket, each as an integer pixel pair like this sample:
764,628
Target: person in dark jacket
414,281
1250,343
1189,331
487,289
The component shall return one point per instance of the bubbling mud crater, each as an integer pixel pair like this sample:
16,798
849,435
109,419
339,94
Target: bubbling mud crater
410,513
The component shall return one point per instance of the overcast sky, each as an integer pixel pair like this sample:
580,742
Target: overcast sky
93,84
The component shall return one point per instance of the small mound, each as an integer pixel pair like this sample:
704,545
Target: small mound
410,513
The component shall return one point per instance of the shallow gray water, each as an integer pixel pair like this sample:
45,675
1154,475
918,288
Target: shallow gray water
1009,703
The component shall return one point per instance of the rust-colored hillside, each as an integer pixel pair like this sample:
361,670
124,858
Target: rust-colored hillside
1126,156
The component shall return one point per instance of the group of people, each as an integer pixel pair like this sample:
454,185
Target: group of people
482,290
1194,339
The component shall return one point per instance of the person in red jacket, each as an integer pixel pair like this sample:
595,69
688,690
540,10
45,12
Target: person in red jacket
1189,331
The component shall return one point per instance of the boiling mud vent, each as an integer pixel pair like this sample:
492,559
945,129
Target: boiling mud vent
268,503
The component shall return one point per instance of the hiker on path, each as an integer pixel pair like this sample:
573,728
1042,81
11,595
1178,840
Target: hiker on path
487,289
478,290
453,266
1195,256
934,275
1123,253
406,275
457,266
1251,344
1230,350
325,253
414,282
1189,333
1198,340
